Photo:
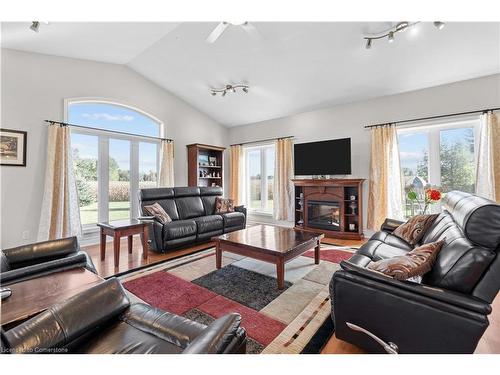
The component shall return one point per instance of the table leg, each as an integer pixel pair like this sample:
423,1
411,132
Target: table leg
280,270
116,249
103,245
130,243
218,256
316,252
144,239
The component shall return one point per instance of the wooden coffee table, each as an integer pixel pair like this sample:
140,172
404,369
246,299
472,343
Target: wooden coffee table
33,296
268,243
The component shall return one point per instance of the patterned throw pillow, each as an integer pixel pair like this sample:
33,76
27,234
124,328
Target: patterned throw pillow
416,263
158,212
223,206
414,229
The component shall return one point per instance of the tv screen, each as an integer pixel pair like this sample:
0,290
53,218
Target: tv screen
321,158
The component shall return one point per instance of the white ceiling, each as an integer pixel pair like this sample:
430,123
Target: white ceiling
291,68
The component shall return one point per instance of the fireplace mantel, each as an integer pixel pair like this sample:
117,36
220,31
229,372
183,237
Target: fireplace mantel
331,190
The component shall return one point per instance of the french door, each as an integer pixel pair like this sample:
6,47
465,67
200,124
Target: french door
109,171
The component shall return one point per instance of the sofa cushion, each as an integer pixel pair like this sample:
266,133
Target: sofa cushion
233,219
223,205
415,228
190,207
158,212
179,229
391,240
123,338
413,264
209,223
164,197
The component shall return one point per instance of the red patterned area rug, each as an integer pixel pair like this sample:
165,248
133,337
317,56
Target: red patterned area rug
293,320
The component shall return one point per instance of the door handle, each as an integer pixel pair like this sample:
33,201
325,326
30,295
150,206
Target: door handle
389,347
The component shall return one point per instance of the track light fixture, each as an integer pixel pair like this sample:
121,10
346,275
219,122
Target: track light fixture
439,25
229,88
390,33
35,25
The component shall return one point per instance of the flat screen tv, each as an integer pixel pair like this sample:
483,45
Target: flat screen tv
322,158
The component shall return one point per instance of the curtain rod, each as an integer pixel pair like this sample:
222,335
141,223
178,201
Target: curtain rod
433,117
262,140
107,131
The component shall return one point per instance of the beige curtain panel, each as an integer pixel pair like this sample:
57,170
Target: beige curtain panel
488,162
283,175
385,187
236,174
60,216
167,164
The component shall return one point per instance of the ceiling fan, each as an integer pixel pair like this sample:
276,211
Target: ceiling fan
221,27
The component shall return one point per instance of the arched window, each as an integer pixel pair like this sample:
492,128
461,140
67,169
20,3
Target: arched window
114,155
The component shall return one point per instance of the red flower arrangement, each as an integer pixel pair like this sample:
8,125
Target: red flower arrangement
431,196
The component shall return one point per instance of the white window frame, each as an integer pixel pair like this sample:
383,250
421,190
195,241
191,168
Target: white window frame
433,129
103,138
262,147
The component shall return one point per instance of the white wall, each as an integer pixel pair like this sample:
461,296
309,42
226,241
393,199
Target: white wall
348,120
33,88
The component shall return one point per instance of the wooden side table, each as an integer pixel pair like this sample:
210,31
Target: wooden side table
121,228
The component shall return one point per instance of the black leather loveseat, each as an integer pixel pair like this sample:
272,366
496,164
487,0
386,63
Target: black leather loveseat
445,313
192,210
42,258
101,320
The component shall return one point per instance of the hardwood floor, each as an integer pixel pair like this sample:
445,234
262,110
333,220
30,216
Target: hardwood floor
135,260
489,343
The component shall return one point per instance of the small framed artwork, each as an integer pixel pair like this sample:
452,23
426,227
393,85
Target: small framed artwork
13,147
203,159
213,161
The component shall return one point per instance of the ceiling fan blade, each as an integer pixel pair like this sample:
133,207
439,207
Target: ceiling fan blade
251,30
217,32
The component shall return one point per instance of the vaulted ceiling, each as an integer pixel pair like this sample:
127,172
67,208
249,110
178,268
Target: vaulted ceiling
290,67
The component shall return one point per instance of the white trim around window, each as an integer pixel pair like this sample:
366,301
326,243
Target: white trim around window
103,154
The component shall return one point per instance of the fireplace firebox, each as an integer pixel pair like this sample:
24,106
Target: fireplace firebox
323,215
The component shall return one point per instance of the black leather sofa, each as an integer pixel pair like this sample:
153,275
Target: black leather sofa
192,210
445,313
101,320
42,258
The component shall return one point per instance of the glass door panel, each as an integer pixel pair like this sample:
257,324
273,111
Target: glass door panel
457,160
119,179
85,156
148,176
254,179
270,156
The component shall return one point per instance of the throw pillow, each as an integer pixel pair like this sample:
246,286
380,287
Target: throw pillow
416,263
415,228
158,212
223,206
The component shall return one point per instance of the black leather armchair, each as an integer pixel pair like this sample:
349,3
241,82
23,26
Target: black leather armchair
194,220
101,320
42,258
445,313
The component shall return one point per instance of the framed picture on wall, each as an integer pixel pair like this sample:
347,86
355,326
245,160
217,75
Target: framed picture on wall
13,147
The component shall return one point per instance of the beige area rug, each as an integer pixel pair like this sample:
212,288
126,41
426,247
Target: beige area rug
276,321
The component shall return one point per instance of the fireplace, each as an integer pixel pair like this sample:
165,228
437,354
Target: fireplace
323,215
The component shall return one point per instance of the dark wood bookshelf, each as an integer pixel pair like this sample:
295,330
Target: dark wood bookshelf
200,170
